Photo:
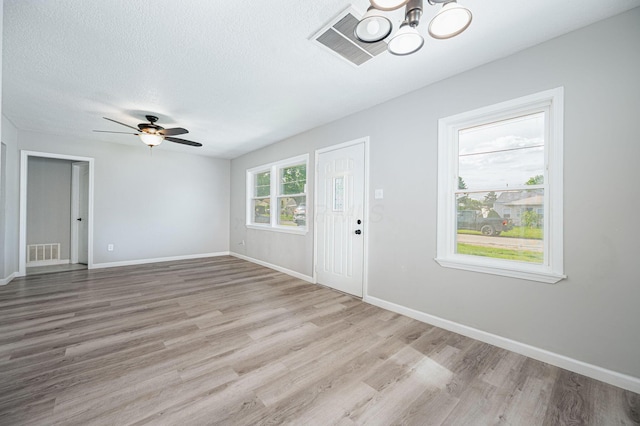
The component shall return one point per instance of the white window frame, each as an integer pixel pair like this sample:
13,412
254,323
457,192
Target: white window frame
274,169
552,268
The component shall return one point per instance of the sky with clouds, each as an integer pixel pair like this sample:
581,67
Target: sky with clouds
502,155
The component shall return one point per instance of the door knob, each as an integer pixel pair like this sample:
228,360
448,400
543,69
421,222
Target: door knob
358,232
79,219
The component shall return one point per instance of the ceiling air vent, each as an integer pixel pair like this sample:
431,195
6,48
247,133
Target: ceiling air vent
339,38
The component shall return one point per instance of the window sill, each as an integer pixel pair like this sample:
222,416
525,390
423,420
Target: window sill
282,229
524,273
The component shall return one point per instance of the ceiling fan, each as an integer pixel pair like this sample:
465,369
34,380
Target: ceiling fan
152,135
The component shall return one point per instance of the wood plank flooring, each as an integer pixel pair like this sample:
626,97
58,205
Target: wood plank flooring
225,341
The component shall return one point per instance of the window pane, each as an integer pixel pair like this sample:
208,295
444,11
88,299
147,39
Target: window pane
293,180
293,211
502,154
261,210
262,184
486,227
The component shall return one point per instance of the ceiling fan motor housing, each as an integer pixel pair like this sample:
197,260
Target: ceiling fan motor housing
150,127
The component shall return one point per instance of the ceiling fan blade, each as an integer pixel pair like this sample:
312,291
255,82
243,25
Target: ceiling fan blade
173,132
182,141
126,125
108,131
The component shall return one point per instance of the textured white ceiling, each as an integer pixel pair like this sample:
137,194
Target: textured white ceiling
238,75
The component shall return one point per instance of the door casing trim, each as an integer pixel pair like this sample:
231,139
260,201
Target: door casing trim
24,161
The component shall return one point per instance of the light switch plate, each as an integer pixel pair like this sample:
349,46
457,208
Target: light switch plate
378,194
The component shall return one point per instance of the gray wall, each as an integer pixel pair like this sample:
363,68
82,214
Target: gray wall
593,315
49,203
149,206
3,203
12,197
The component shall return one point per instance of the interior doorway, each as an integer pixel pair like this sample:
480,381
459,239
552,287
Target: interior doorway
341,206
56,223
80,213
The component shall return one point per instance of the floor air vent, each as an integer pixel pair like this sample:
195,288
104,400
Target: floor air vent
339,38
43,254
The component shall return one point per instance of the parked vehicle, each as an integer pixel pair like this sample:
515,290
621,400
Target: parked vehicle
300,215
493,224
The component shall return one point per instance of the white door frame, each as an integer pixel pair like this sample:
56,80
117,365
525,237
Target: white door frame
75,208
365,213
24,161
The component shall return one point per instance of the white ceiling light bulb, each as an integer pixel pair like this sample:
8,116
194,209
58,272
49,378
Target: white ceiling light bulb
450,21
151,139
388,4
373,26
406,41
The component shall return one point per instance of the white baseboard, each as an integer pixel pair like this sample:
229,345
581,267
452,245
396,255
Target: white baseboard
5,281
276,267
48,263
160,259
608,376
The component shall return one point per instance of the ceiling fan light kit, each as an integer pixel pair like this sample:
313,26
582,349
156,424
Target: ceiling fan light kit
153,135
373,26
451,20
151,139
405,41
388,5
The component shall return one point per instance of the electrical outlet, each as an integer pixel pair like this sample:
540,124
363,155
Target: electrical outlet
110,247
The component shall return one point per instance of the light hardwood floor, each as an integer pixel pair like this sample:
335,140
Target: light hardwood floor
224,341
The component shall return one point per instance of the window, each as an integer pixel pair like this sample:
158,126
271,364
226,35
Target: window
493,162
277,196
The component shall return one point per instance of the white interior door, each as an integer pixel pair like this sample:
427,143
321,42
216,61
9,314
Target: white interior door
80,213
340,200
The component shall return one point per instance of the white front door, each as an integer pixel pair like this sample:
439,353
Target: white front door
340,200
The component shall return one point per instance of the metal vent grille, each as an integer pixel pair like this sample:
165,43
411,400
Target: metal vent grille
338,37
43,254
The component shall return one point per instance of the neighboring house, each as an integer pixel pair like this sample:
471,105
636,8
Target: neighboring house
511,205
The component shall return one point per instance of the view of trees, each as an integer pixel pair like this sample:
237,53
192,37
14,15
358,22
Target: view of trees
490,199
467,203
535,180
464,201
263,184
293,179
530,218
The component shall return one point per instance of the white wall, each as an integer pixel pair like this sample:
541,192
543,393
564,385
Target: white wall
149,206
49,203
593,315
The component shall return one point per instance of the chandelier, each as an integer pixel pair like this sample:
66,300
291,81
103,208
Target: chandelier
451,20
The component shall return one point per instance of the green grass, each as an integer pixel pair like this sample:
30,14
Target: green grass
499,253
516,232
524,232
